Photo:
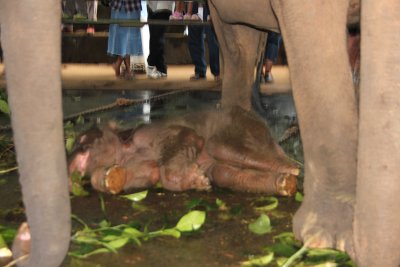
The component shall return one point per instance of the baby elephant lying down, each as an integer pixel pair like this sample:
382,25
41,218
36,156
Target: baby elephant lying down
229,148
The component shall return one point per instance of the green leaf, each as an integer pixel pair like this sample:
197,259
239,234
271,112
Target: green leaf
193,203
84,256
221,204
4,107
77,190
118,243
2,243
170,232
80,120
299,197
273,204
104,224
259,261
191,221
261,226
69,143
286,238
8,234
136,197
132,232
282,249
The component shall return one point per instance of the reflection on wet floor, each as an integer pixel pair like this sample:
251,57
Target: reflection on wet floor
224,240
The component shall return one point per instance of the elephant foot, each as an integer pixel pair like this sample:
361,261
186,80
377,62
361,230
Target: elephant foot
316,224
186,178
286,185
111,180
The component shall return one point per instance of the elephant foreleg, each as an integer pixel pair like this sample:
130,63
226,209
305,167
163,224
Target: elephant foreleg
326,107
31,41
377,212
240,46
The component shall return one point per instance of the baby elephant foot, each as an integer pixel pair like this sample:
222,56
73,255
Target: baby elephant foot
286,185
186,178
199,180
316,224
111,180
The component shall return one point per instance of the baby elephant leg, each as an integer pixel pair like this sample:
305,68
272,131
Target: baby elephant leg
251,180
133,174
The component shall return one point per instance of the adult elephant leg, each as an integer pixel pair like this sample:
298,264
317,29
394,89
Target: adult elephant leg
314,33
241,47
31,41
377,212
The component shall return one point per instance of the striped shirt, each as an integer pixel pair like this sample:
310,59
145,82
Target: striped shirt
129,5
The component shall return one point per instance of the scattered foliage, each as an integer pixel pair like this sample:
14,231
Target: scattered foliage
261,226
107,238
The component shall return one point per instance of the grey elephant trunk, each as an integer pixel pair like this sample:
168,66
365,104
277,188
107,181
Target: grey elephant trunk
32,46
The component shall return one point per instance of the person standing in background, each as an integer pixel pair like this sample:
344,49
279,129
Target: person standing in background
270,56
92,14
80,9
197,48
157,10
124,42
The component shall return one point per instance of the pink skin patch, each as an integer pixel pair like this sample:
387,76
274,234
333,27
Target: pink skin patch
80,163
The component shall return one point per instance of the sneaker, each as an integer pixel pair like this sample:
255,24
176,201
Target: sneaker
197,77
162,74
217,78
176,16
153,73
187,17
268,78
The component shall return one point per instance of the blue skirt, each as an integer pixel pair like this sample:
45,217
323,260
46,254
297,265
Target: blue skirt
123,41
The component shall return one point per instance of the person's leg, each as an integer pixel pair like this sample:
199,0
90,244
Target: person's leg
196,49
271,54
189,11
69,8
92,14
128,73
156,55
117,66
178,14
81,7
68,12
213,50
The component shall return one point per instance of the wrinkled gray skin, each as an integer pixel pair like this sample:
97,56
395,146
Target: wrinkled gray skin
30,37
351,150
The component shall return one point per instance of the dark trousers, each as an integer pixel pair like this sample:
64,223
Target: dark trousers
197,49
156,55
272,46
196,45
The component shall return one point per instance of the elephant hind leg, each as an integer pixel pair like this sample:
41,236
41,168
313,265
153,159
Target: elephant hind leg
241,48
255,181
